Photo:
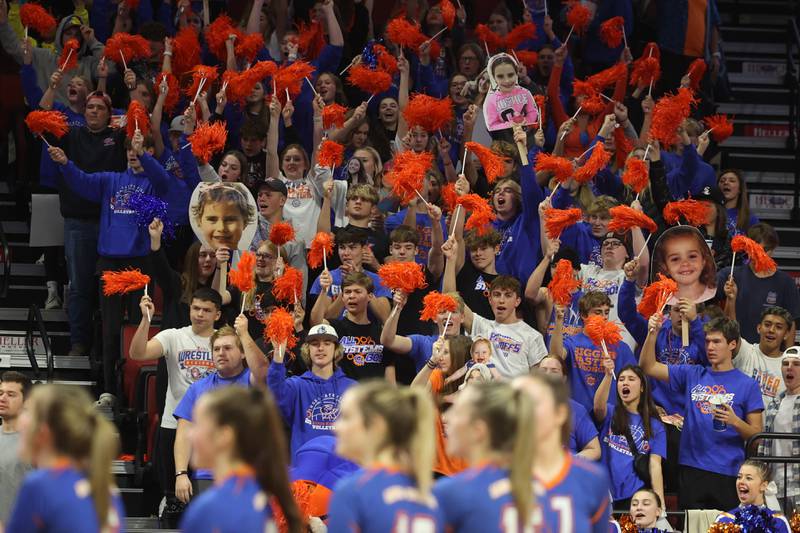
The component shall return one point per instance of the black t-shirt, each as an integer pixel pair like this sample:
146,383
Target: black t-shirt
255,171
473,285
364,356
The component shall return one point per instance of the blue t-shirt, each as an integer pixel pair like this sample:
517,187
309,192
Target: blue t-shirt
421,349
585,362
376,501
336,288
702,447
424,229
617,454
198,388
577,499
58,500
670,351
583,429
237,503
733,217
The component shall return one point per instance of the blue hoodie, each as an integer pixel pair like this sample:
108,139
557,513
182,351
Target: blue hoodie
687,173
120,235
521,247
308,403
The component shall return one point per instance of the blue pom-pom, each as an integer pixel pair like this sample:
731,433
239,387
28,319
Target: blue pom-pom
368,56
753,518
149,207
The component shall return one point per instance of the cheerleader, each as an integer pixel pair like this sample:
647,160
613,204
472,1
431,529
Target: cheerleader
572,492
389,432
238,434
72,446
646,509
753,514
490,425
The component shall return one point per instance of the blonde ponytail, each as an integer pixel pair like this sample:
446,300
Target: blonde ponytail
422,447
522,453
104,448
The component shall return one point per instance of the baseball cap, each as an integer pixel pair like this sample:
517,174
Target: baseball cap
177,123
792,352
273,184
322,332
711,193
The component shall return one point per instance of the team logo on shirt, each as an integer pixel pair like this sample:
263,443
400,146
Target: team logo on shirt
768,383
590,360
119,200
620,444
772,298
323,412
195,364
702,394
504,344
299,190
608,286
362,350
675,356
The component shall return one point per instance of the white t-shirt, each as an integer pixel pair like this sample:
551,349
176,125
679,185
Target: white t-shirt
515,347
783,424
594,278
762,368
304,202
188,358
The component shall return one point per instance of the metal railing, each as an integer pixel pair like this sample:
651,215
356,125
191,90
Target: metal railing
793,84
6,281
752,452
35,322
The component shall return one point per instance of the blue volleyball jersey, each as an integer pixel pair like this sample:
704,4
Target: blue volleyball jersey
576,499
58,500
235,505
381,501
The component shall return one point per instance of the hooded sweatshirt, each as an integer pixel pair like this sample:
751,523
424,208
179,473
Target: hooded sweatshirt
45,61
308,403
120,235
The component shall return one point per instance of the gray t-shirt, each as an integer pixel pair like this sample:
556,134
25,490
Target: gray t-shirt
516,348
12,472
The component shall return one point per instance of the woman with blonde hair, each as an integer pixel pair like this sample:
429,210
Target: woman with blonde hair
72,446
388,431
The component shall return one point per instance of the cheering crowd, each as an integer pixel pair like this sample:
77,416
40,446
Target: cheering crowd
444,266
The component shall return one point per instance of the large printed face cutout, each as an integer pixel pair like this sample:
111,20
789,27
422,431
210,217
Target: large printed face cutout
681,253
507,103
223,215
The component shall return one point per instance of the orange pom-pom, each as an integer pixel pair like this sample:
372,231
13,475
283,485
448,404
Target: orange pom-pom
434,303
636,175
651,50
695,213
527,58
173,90
201,72
579,17
493,41
249,46
611,31
369,81
448,13
303,495
132,4
583,88
480,221
185,50
333,115
242,276
596,162
541,103
432,114
123,281
406,276
310,39
560,167
622,146
137,117
217,34
291,78
593,105
408,173
403,33
280,328
724,527
131,47
721,128
321,246
36,17
208,139
68,59
601,331
386,61
473,203
289,286
623,218
491,162
557,220
696,72
52,122
608,77
668,114
330,154
449,196
519,34
762,263
645,71
280,233
564,283
655,296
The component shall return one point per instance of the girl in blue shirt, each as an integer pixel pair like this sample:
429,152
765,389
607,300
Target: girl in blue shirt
490,425
737,202
72,445
389,432
633,414
751,487
238,434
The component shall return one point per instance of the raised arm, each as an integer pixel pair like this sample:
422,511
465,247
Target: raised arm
141,348
557,338
435,256
335,37
600,406
156,115
273,134
422,379
389,337
450,251
533,292
402,95
319,311
647,357
256,361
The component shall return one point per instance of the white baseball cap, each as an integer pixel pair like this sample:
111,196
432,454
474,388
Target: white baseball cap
177,123
322,332
792,352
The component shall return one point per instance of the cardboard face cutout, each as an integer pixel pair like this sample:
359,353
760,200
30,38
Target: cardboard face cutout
681,253
223,215
506,105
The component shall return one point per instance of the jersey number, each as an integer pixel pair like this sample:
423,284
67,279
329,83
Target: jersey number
403,523
560,504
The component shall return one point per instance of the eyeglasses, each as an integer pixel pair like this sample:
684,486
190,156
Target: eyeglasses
611,244
264,255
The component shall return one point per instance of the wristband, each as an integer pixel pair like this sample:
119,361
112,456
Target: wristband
180,473
167,54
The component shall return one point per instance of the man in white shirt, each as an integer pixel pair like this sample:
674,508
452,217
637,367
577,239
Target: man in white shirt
14,387
762,361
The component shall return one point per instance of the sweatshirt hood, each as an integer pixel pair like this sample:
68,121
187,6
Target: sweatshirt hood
66,22
337,376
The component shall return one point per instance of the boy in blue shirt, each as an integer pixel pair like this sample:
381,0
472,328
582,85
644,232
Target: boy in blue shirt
723,410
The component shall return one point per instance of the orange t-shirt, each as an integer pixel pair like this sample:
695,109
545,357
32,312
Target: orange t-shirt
695,42
444,464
